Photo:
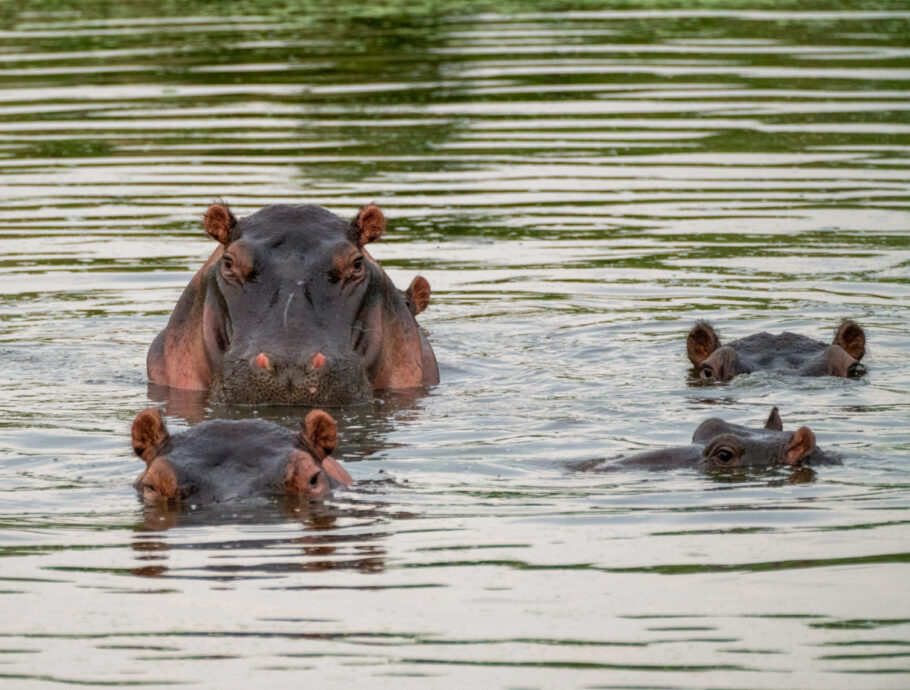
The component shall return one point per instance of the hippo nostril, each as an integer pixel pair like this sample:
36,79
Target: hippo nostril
314,480
318,360
707,373
262,361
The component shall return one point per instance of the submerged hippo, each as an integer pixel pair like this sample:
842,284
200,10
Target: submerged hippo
290,308
787,353
220,460
718,445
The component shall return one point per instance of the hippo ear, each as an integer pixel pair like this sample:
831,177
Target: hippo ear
334,469
369,224
418,294
774,421
701,342
802,443
852,338
219,222
319,433
149,434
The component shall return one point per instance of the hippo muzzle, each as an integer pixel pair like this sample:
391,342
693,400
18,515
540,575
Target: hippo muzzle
337,381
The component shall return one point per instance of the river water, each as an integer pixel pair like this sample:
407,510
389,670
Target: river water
579,188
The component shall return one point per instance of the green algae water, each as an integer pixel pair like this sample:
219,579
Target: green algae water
579,187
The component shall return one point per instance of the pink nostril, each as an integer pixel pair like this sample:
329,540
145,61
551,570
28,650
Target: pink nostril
262,361
318,360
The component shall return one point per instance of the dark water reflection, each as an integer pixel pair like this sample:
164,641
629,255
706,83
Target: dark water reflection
317,549
579,188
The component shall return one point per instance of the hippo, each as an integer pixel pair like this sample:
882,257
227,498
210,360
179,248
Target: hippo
290,308
220,460
720,446
786,353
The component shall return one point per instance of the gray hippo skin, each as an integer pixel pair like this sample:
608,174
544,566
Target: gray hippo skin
718,446
222,460
291,308
786,353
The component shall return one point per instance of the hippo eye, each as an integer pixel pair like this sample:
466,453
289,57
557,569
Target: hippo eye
228,262
723,455
358,264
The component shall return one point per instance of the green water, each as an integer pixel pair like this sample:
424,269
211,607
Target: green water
579,186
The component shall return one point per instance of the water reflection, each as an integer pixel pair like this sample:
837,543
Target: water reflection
363,430
188,405
312,538
775,476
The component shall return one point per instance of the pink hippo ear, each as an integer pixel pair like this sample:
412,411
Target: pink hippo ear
774,421
149,433
802,443
851,337
369,224
701,342
219,222
418,294
319,433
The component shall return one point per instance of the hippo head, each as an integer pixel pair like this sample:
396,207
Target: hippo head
727,446
787,353
295,310
220,460
713,361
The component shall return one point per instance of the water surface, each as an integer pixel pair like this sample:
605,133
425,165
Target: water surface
579,188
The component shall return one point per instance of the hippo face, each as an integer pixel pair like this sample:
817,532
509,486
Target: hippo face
786,353
294,315
222,460
291,309
727,446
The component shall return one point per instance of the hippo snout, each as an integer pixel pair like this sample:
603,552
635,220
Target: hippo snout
266,376
276,363
263,361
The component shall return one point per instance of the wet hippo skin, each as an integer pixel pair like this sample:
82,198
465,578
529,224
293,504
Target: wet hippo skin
718,446
786,353
290,308
221,460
